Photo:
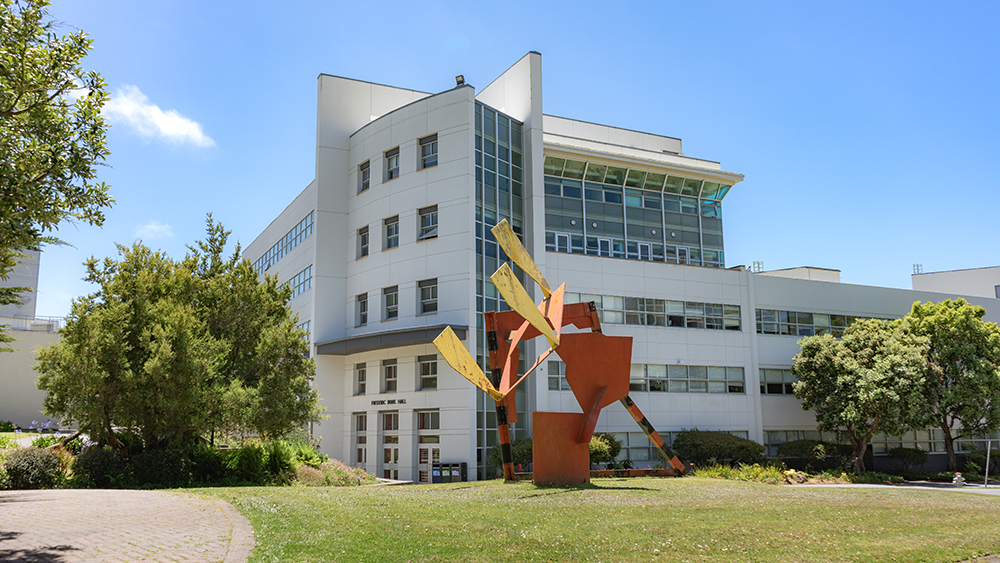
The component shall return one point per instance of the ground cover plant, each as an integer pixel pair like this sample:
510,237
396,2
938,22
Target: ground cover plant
645,519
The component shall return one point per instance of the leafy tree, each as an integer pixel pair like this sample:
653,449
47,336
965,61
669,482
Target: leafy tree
163,348
869,381
963,369
52,134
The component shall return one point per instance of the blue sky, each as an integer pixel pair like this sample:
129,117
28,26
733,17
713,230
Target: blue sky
867,132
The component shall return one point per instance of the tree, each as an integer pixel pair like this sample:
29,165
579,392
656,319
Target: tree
963,369
869,381
52,134
176,350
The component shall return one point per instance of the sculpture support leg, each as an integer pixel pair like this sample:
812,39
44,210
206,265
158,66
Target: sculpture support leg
506,455
652,434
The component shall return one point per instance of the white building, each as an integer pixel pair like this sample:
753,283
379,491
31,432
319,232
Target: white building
390,243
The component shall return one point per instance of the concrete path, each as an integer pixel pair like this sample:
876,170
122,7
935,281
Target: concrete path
71,525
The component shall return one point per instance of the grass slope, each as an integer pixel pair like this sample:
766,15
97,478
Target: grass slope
689,519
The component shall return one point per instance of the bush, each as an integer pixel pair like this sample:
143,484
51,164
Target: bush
976,459
7,426
100,468
814,454
281,461
33,468
45,441
307,454
166,467
520,450
600,450
702,447
909,457
249,464
208,464
613,443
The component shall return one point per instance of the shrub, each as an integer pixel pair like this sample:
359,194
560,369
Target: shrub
33,468
613,443
977,458
45,441
208,464
306,453
909,457
100,468
520,450
7,426
336,474
249,464
167,467
281,461
600,450
6,443
802,454
310,476
701,446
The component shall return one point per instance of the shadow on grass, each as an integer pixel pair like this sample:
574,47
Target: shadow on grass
548,490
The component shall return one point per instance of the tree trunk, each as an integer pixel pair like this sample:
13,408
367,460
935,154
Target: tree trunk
858,457
949,446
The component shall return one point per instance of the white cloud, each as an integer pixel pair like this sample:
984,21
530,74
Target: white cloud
153,230
130,107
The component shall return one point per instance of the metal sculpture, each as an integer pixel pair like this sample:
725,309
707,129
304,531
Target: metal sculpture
597,370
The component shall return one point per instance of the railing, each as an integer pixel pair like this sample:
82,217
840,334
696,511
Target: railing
33,324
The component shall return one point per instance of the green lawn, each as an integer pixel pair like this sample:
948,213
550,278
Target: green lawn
646,519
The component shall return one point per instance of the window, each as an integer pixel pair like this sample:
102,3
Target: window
429,151
428,296
363,242
391,232
362,306
390,420
360,378
291,239
428,372
428,420
428,223
391,297
557,376
389,373
361,437
392,164
364,176
301,282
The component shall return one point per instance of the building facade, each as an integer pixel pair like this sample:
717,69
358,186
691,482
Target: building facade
391,242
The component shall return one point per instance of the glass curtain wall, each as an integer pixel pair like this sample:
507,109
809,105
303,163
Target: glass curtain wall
499,195
618,212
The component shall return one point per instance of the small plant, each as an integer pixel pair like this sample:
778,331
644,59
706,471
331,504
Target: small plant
33,468
600,450
45,441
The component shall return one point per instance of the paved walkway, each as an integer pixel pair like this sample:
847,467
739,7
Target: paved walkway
124,526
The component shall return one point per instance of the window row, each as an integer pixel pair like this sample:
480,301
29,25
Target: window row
389,376
427,302
637,447
645,311
427,228
639,199
292,238
427,156
929,440
630,177
612,247
301,282
657,378
794,323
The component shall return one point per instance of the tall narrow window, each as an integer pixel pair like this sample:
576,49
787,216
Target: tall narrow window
360,378
429,151
389,376
362,309
361,437
428,223
391,296
364,176
428,372
391,232
392,164
428,296
363,242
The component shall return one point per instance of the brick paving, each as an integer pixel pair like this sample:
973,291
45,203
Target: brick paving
121,526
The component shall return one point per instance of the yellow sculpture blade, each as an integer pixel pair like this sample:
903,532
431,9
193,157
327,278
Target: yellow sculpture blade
512,246
519,300
460,360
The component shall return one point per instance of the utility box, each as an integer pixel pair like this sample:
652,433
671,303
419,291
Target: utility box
449,472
